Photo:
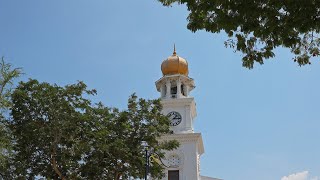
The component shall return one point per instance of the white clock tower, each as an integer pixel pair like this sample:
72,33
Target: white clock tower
175,87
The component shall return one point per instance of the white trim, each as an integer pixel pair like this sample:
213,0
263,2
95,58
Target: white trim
188,137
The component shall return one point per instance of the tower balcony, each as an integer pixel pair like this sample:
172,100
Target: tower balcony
175,86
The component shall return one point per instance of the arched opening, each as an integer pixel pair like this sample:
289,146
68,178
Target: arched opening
183,90
174,91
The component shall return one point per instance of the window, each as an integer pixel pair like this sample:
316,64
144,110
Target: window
173,175
182,90
174,91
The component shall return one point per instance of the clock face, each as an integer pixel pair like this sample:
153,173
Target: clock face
175,118
174,160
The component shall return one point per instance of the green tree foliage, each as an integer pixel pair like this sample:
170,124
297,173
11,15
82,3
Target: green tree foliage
257,27
7,76
49,127
117,149
59,134
5,149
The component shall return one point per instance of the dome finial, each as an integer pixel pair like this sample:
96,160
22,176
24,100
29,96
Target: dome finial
174,49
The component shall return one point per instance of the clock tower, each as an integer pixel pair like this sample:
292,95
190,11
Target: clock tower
175,86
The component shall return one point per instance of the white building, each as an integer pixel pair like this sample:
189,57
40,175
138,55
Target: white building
175,87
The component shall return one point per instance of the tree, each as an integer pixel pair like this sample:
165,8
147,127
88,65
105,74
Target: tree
7,76
49,125
59,134
256,28
118,152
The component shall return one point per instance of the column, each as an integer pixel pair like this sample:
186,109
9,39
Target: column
186,90
178,88
168,85
163,90
188,119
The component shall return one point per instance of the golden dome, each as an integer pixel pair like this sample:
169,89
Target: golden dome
174,65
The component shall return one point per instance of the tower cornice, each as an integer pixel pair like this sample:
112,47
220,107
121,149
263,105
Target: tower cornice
184,79
188,137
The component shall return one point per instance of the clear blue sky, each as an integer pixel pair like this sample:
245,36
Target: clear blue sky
259,124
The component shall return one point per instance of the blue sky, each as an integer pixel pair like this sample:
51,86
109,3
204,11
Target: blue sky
260,124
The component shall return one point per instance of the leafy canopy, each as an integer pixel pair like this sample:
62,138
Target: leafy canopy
48,124
255,28
60,134
7,77
118,151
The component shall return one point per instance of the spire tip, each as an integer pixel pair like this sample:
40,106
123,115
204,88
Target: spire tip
174,49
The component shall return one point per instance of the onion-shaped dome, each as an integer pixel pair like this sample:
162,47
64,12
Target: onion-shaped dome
174,65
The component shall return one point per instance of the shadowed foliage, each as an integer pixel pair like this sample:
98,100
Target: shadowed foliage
256,27
7,77
59,134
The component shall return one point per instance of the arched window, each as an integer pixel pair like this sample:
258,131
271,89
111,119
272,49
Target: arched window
182,90
174,92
